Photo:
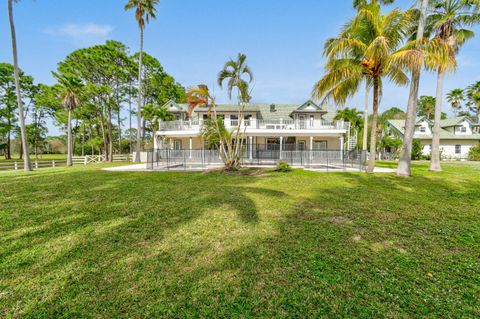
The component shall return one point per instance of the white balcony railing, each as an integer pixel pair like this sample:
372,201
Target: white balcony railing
191,125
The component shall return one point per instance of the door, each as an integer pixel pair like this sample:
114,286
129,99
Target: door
302,122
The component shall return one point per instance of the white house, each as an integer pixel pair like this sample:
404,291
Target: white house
272,132
457,135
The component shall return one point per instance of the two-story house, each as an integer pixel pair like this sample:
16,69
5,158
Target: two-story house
271,131
457,135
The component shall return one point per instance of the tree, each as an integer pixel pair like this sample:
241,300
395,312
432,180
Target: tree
447,22
473,99
21,114
359,4
369,45
404,164
144,11
233,72
154,113
426,106
353,116
70,89
455,97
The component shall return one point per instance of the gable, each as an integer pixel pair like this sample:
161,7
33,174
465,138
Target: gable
173,107
309,106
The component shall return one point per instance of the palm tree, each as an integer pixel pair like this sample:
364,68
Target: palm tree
144,11
70,89
404,163
21,112
154,113
455,97
234,71
448,21
426,106
368,47
473,99
358,4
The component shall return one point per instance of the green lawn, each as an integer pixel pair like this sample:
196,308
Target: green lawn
86,243
42,157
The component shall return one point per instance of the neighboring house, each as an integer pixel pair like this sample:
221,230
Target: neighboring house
457,135
276,129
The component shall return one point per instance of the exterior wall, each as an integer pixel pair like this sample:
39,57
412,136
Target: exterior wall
448,148
333,143
425,126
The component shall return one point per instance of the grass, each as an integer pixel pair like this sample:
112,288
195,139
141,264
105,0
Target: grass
94,244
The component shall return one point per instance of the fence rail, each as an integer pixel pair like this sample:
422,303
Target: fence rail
328,159
76,160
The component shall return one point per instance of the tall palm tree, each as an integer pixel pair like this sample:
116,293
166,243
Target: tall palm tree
455,97
234,72
404,164
447,22
426,106
144,11
21,113
368,46
359,4
70,89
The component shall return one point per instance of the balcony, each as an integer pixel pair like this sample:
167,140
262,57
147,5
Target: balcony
253,124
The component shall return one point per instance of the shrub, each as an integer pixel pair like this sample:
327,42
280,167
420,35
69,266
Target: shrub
417,150
283,167
474,154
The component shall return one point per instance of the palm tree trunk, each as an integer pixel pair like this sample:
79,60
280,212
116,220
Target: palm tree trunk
373,137
119,131
130,120
139,106
21,114
69,139
404,164
365,126
435,156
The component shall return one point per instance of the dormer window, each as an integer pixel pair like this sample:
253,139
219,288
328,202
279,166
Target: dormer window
463,129
423,129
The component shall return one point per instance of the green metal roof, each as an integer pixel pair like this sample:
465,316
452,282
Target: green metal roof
399,126
264,111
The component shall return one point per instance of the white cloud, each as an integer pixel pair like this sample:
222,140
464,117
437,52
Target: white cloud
82,33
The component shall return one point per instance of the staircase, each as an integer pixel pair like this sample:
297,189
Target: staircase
352,140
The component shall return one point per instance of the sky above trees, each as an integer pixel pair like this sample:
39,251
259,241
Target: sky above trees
283,40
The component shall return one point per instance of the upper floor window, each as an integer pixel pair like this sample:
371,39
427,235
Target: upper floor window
463,129
423,129
233,120
458,149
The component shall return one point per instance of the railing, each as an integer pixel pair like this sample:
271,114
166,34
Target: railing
190,125
261,156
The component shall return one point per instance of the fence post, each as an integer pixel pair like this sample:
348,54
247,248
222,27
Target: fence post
53,163
36,164
15,165
85,160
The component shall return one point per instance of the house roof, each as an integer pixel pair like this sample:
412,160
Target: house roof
399,126
264,111
454,121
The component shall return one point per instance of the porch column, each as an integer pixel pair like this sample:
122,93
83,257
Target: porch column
281,146
191,144
170,143
250,141
341,147
311,148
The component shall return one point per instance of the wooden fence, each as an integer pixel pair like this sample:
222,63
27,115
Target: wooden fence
77,160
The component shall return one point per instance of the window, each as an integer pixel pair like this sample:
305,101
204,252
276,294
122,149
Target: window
247,119
273,143
177,145
423,129
301,145
233,120
463,129
312,119
320,145
458,149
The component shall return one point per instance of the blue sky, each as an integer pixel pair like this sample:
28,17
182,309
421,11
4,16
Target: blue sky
283,40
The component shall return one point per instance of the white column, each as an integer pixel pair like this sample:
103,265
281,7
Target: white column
281,146
311,148
250,141
191,145
341,147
